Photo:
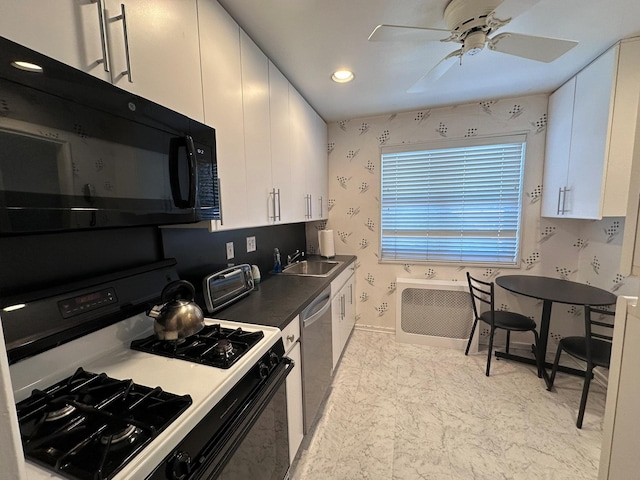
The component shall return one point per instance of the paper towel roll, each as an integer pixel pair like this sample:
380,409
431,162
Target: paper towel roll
327,247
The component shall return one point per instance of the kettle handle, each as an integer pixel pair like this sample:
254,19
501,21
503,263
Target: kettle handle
178,289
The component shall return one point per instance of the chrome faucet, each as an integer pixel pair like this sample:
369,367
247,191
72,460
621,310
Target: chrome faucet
292,258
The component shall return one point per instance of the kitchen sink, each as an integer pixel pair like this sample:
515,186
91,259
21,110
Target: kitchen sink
311,269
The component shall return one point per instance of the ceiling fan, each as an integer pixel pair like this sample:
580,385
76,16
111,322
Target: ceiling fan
470,23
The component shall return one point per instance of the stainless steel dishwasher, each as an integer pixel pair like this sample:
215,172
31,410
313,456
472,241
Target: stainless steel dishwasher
317,359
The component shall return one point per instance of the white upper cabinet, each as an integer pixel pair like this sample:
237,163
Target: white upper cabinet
299,154
257,130
223,109
67,30
317,169
162,57
309,152
591,137
155,52
271,144
558,147
282,208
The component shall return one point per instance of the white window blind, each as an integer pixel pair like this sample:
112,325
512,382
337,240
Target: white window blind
456,203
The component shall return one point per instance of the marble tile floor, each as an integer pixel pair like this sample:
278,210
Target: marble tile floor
405,412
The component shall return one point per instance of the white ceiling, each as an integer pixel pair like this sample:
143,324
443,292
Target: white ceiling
309,39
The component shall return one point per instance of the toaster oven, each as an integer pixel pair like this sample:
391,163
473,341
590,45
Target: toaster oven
226,286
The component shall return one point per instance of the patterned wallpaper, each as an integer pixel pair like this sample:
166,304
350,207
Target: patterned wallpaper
580,250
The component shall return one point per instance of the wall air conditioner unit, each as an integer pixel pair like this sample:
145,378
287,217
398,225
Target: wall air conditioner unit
434,312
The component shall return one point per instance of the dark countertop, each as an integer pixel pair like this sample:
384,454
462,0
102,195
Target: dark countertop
277,299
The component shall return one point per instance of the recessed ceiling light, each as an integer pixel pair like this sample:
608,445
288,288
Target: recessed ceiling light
27,66
342,76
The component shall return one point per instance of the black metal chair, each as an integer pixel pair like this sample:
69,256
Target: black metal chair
594,349
483,293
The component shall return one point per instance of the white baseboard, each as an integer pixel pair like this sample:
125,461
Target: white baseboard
375,328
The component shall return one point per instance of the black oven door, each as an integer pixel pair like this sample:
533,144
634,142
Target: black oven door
250,442
263,454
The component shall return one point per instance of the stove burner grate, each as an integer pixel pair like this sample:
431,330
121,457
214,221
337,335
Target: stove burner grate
89,426
213,345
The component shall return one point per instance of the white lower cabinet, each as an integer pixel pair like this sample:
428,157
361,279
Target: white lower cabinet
343,314
291,339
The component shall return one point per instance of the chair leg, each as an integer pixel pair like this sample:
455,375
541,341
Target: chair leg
555,367
473,329
539,361
508,340
585,391
490,349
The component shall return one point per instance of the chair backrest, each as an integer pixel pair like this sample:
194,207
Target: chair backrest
482,292
593,317
598,324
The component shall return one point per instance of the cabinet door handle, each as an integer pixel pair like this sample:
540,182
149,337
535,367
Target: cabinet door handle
351,294
103,36
279,207
342,307
307,199
564,199
320,207
273,204
559,195
125,33
310,207
291,338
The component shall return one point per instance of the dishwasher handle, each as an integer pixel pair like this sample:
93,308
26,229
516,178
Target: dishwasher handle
316,309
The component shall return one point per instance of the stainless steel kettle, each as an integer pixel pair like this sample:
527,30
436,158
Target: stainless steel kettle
178,316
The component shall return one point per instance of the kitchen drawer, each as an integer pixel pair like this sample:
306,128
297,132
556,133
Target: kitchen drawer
291,334
340,280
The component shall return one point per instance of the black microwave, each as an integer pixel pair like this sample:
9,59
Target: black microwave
79,153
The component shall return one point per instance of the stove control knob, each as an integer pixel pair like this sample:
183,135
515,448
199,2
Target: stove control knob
273,359
180,466
263,371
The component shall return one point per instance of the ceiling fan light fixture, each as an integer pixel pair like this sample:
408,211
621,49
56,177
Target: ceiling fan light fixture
474,43
342,76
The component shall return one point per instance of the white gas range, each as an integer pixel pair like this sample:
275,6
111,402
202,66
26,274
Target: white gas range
209,436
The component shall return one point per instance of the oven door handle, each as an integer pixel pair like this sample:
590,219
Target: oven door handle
212,462
235,272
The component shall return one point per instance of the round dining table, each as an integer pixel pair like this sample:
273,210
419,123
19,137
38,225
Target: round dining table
550,291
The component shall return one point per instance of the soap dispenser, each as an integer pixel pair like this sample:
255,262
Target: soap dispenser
277,265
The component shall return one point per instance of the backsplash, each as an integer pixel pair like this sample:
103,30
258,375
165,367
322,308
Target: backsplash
34,262
580,250
200,253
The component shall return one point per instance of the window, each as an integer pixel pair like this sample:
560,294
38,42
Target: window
454,202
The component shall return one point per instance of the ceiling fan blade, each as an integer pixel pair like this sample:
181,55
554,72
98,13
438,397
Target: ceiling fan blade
396,33
542,49
436,72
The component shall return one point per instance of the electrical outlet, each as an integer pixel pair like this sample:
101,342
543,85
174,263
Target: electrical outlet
230,253
251,244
